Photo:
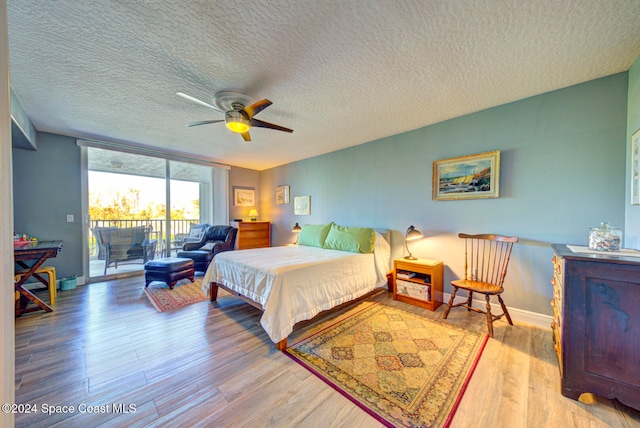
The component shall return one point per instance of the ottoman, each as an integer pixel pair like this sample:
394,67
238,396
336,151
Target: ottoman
169,270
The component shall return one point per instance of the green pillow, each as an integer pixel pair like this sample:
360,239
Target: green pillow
313,235
353,239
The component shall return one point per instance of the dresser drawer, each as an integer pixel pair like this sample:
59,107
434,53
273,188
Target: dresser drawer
254,234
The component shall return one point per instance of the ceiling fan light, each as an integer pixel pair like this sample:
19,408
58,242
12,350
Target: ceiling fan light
237,122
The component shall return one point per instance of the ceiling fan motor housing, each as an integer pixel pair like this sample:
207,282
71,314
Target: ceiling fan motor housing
237,120
228,100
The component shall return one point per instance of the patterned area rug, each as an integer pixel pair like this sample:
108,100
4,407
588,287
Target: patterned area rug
184,293
403,369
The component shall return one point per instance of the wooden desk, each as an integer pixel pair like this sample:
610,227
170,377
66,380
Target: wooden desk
38,253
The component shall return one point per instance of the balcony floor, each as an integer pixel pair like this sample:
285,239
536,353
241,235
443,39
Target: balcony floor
96,268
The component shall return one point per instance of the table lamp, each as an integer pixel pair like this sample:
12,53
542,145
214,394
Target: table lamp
296,229
411,234
253,214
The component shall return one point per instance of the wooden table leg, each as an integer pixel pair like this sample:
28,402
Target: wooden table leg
25,295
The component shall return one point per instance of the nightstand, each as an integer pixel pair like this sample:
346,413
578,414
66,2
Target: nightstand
418,282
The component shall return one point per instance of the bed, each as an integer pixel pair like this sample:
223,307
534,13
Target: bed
294,283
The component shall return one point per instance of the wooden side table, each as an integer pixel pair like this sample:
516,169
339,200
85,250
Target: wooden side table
418,282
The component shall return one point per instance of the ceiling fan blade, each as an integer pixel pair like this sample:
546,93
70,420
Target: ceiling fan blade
204,122
197,101
261,124
246,136
256,108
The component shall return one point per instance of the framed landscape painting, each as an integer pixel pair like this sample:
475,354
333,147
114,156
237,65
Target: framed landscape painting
467,177
244,196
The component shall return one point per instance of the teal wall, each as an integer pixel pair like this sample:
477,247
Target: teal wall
47,187
562,171
632,213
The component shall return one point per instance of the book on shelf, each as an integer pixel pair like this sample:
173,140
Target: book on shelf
405,274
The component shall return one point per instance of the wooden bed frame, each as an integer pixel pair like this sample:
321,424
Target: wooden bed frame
282,345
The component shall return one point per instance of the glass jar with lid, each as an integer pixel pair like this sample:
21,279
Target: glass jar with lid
605,238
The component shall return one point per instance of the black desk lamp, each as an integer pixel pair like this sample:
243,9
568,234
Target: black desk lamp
412,234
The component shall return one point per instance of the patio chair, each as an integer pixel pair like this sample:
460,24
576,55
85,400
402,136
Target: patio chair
127,245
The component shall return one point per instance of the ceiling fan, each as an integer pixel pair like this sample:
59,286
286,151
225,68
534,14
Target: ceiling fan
237,117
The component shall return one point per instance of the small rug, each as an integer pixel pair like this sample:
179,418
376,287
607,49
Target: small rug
184,293
401,368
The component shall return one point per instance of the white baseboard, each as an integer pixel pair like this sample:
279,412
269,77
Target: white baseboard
517,315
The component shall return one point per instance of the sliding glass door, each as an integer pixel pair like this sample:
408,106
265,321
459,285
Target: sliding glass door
140,207
190,195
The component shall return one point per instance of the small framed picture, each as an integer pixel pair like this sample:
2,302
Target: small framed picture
467,177
302,205
635,168
282,195
244,196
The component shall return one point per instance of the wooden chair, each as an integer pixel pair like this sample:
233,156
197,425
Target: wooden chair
485,266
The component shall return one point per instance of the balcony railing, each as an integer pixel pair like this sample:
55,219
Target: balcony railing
158,231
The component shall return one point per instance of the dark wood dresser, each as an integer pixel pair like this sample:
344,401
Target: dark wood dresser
596,324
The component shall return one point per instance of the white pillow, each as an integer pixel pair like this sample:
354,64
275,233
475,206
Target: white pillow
196,233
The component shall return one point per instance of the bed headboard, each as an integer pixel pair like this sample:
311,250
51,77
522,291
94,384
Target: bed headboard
384,232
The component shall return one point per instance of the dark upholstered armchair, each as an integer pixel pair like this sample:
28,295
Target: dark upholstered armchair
216,239
196,232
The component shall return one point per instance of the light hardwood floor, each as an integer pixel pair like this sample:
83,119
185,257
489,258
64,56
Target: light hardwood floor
212,365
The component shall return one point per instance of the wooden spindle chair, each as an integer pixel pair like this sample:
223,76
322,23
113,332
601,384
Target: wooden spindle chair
485,266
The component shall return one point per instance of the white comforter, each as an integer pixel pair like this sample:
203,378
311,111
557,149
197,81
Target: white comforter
294,283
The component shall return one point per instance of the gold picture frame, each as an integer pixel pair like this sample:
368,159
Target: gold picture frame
244,196
282,195
467,177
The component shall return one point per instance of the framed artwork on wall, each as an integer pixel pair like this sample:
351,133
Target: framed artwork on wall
635,168
302,205
244,196
282,195
467,177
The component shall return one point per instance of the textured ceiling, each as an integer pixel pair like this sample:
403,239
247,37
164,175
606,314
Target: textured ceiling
339,72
